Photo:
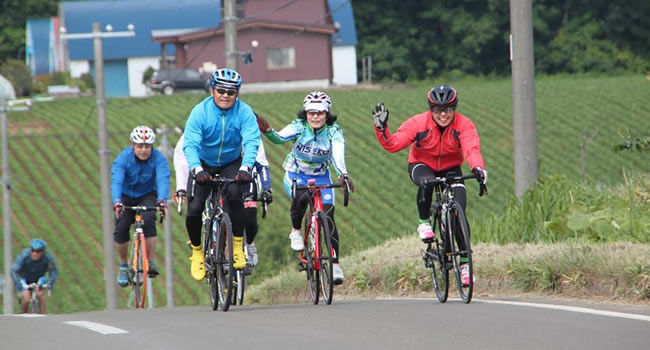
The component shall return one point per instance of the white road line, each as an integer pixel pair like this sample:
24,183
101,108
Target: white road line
97,327
547,306
28,315
583,310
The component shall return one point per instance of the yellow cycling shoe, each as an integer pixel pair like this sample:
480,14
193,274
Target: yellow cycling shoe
238,253
197,258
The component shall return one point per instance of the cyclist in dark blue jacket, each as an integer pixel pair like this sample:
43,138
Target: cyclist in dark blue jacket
139,176
30,267
215,133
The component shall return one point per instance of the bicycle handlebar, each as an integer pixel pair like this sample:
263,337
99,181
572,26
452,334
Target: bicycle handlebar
141,208
449,179
312,185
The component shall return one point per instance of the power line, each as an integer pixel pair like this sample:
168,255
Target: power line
307,26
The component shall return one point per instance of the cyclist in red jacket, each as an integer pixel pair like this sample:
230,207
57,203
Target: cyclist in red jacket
439,138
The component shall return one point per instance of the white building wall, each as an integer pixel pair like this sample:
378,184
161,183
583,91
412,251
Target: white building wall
344,61
137,66
79,67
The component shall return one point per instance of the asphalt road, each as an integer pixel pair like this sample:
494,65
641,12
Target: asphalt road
360,324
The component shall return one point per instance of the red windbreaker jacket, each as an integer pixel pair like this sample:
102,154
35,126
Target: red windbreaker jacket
440,151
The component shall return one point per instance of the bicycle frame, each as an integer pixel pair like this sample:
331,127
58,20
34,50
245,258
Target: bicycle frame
453,230
34,303
139,244
316,204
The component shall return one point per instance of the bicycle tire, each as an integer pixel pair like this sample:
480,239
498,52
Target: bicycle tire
435,259
34,305
460,228
325,260
209,250
309,254
241,287
225,262
140,272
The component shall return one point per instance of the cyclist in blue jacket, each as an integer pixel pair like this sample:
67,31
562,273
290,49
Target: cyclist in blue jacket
30,267
259,189
215,133
139,176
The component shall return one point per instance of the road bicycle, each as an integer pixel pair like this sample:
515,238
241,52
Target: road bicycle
34,306
444,252
240,275
220,273
138,261
317,257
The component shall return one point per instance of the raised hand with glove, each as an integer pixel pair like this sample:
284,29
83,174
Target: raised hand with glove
262,123
202,177
481,177
244,175
178,195
345,177
380,115
162,207
118,208
267,197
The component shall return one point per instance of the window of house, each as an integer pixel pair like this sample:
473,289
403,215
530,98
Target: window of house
281,58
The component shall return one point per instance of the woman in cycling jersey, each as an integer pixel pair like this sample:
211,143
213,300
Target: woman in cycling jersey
439,138
317,143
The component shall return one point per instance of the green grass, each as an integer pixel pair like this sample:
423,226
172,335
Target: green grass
56,189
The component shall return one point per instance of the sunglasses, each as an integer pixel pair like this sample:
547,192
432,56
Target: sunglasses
438,110
37,250
226,91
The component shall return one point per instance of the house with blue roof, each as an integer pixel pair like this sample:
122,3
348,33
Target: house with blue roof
306,43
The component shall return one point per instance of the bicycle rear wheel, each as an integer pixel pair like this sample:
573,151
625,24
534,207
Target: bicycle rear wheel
460,229
240,285
309,254
436,260
325,260
209,251
224,266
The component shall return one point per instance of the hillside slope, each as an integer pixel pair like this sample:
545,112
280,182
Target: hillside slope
56,189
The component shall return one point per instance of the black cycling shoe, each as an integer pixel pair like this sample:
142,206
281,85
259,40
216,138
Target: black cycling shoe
153,269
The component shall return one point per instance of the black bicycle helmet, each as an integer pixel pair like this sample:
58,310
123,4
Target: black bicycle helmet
442,96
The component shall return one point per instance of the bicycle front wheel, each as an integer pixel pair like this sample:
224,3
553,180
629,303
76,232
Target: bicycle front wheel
225,261
139,273
210,251
309,254
325,260
461,249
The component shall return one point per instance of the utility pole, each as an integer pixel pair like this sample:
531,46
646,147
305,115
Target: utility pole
524,121
6,92
107,212
230,33
166,150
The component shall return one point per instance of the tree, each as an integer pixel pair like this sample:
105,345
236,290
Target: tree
13,16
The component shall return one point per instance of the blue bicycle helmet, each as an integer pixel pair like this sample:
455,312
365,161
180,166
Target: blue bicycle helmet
38,244
225,77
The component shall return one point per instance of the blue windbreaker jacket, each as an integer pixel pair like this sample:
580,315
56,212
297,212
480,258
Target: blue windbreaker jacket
217,136
32,270
136,178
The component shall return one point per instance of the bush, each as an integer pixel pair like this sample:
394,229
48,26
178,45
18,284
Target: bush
146,76
19,75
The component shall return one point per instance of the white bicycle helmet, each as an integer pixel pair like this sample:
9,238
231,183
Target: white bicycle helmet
317,101
143,134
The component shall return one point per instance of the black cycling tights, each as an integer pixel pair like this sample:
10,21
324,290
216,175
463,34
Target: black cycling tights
298,207
419,171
